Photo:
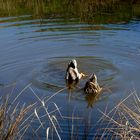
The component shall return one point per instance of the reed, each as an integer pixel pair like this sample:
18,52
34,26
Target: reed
12,117
123,121
97,11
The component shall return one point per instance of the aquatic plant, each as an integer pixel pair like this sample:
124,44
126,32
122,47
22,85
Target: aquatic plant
13,117
17,121
123,121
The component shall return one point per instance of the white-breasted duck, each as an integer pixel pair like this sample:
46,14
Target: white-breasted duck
72,73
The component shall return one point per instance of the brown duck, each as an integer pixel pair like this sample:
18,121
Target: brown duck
92,86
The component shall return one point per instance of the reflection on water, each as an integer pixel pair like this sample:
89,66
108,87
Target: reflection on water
52,77
108,11
71,85
53,72
91,99
37,51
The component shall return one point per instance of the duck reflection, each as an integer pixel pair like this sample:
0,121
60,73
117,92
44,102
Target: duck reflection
71,85
91,99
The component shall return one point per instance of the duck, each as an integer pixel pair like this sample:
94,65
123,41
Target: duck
72,73
92,86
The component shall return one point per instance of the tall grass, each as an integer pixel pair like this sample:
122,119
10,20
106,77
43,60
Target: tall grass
13,117
92,11
123,121
16,120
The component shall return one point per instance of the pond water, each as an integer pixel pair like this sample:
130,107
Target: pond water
37,51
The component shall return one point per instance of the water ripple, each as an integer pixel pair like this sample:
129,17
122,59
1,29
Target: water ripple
53,73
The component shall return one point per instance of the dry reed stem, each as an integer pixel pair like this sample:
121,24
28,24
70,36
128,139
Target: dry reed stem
125,124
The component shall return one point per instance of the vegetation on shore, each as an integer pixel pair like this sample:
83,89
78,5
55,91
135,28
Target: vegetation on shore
122,122
91,11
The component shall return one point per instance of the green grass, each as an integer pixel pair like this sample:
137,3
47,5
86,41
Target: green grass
99,11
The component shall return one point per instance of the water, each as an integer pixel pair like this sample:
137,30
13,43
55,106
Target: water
37,51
